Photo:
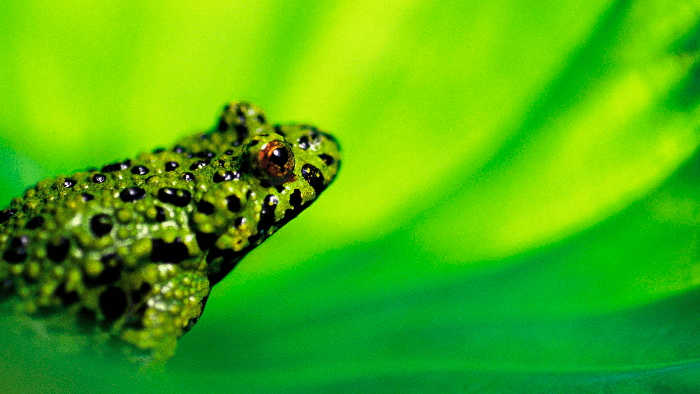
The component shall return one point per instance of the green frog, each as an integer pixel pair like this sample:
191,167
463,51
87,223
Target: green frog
129,252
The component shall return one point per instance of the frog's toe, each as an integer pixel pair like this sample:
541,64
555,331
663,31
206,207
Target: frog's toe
195,319
169,310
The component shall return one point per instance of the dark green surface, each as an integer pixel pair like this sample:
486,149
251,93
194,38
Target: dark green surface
518,206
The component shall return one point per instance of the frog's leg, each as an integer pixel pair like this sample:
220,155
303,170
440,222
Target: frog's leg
171,302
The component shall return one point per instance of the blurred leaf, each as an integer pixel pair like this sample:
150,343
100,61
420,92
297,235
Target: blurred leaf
609,128
517,209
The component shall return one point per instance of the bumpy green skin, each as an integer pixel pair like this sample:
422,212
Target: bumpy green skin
131,251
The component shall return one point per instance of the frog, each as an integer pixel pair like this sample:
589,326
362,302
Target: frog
129,252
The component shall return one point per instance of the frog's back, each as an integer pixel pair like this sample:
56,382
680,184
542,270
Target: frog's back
132,249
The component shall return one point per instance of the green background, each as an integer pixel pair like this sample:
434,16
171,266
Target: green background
517,210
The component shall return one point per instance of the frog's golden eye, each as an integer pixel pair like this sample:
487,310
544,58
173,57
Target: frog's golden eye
276,161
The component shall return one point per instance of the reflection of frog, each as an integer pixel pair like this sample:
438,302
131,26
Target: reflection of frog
133,249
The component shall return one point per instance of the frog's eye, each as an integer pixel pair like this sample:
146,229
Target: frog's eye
276,161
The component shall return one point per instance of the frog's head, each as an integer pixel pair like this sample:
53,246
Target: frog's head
301,156
298,157
280,170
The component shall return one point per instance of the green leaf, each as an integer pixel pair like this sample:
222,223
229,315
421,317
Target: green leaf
517,211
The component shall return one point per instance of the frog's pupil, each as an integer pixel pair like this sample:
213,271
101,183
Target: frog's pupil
279,157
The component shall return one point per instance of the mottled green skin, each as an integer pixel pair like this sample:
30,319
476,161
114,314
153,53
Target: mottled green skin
142,270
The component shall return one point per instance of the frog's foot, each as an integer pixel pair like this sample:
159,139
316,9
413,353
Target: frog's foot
170,307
